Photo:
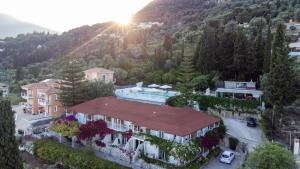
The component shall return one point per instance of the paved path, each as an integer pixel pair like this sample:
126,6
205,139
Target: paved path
116,160
216,164
253,136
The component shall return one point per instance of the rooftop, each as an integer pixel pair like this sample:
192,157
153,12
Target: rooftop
96,69
173,120
294,45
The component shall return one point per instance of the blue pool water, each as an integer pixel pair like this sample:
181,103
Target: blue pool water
146,95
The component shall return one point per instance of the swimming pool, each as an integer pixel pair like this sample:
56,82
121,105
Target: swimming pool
146,95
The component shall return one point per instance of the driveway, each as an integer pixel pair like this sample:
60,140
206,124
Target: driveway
252,136
216,164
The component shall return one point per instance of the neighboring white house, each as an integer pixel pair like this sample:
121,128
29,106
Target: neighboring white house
294,49
102,74
4,88
170,123
239,90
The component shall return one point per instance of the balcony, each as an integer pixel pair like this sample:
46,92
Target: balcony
117,127
26,96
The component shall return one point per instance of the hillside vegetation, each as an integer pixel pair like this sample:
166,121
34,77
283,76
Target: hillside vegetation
174,28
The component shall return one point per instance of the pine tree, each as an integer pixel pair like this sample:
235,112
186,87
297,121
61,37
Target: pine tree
268,46
186,74
279,88
9,152
241,56
72,86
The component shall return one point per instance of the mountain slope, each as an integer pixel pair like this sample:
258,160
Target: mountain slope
11,27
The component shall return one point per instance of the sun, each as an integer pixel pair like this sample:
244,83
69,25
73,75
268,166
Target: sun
123,20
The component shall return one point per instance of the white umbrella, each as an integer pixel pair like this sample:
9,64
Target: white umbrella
165,87
153,85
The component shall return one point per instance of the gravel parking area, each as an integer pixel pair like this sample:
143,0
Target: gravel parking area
253,136
216,164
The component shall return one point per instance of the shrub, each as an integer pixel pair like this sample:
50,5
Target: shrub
54,152
210,101
233,142
177,101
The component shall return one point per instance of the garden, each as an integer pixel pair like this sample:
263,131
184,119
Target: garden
52,151
216,103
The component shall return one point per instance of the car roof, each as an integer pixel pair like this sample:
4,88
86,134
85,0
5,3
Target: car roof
227,152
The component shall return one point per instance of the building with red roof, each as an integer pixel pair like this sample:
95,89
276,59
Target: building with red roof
170,123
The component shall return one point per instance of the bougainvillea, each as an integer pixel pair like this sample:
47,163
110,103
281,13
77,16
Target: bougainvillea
93,128
209,141
100,143
67,127
128,134
71,118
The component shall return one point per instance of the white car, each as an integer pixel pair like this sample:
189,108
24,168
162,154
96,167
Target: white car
227,157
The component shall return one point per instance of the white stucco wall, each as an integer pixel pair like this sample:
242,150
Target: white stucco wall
150,150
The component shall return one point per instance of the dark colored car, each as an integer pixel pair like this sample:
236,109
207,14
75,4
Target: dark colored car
251,122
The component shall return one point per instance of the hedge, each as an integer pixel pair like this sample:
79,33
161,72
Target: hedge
233,142
53,152
210,101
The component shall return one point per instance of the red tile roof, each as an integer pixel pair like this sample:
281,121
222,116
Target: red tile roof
173,120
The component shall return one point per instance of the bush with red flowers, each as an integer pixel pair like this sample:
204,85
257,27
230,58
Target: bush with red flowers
92,128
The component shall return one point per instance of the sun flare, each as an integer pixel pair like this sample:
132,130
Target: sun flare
123,19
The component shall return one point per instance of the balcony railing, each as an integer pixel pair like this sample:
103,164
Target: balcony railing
26,96
117,127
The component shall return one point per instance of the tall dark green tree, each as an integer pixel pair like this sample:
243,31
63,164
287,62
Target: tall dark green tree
9,152
258,54
206,53
186,75
73,84
241,56
279,88
268,46
168,44
225,57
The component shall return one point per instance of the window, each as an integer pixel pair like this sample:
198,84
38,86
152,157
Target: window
161,134
55,109
56,97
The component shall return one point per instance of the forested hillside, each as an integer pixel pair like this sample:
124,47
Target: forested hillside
151,49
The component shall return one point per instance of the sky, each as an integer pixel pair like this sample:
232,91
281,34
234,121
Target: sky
62,15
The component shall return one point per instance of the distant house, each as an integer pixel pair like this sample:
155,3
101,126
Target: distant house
102,74
239,90
43,97
4,88
294,49
175,124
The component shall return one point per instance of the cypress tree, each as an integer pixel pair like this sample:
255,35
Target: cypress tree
186,75
268,46
241,55
225,58
9,152
279,88
206,53
73,84
258,54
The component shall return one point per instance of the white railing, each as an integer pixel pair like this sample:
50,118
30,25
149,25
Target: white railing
117,127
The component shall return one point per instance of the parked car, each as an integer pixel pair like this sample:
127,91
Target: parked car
251,122
227,157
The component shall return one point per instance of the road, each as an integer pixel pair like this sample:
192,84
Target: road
238,128
253,136
216,164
